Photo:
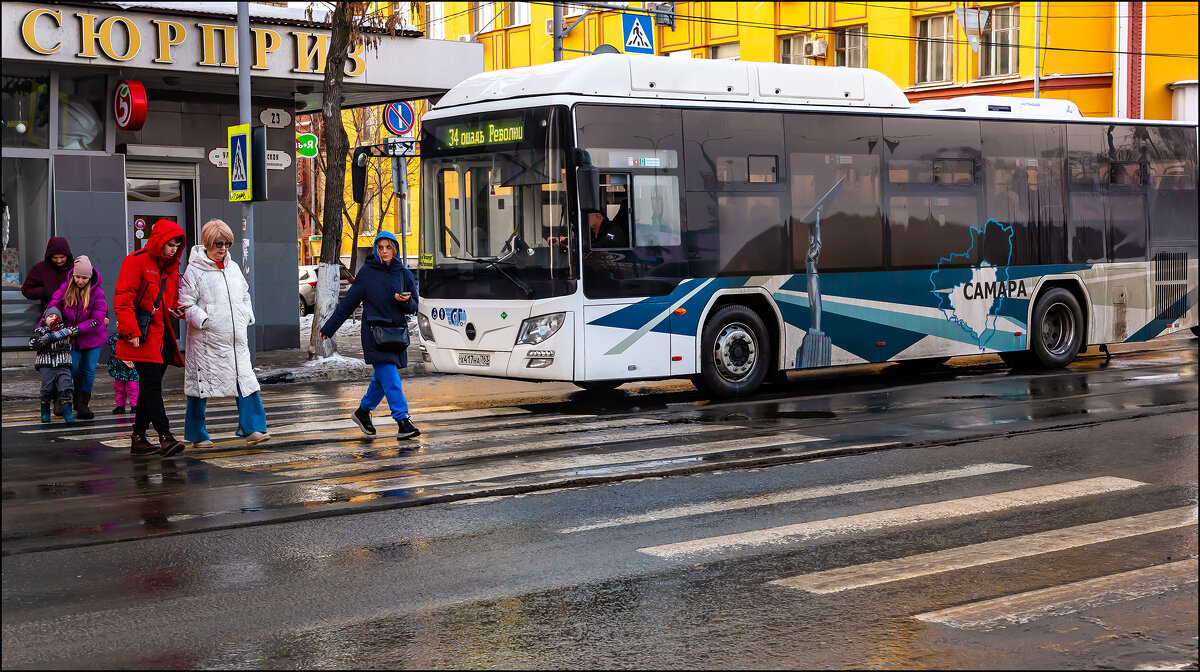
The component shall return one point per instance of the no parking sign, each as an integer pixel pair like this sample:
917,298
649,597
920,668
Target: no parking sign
398,118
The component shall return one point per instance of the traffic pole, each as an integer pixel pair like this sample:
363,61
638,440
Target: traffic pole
244,59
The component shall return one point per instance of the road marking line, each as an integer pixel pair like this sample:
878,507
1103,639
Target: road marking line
797,495
297,430
1067,599
909,515
630,426
924,564
580,462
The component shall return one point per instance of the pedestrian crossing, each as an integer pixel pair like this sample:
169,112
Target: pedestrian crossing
924,521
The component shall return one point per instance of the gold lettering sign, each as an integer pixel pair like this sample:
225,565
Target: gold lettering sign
169,35
28,30
96,35
210,44
265,41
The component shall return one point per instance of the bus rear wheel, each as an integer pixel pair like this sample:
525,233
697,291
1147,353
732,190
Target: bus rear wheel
1056,332
735,352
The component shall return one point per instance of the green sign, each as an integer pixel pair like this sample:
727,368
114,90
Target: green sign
487,133
306,145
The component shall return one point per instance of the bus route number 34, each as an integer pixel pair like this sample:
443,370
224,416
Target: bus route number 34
455,317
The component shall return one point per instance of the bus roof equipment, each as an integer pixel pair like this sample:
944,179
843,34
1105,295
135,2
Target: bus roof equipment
658,77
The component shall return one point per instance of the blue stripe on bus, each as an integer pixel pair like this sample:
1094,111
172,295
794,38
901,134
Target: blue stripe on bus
1159,324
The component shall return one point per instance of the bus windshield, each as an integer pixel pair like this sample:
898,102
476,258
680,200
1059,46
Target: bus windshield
495,219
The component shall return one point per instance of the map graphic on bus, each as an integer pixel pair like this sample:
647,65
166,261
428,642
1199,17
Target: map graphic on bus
972,297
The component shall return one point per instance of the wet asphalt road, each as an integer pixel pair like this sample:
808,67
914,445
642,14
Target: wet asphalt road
640,530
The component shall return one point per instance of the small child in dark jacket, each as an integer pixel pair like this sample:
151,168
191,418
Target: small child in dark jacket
53,344
125,379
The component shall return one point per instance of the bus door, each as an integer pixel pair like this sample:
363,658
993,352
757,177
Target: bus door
625,334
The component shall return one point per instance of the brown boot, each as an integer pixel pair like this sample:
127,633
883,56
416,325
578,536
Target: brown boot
169,445
139,445
82,411
58,407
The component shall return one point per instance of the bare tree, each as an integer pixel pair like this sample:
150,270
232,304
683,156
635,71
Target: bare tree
351,24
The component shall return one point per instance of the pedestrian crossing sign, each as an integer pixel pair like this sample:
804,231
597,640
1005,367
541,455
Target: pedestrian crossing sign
639,34
239,163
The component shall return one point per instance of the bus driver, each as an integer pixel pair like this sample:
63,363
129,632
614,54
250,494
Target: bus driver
605,234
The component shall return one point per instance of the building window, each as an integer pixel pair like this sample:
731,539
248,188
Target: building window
484,16
933,49
26,110
518,14
851,47
81,112
726,52
435,21
998,55
791,49
573,9
403,13
686,53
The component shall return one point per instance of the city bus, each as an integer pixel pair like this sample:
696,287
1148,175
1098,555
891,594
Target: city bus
615,218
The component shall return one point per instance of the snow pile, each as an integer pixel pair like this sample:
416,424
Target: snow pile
351,328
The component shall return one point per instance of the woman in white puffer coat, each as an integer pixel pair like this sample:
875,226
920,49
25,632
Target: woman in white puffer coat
216,303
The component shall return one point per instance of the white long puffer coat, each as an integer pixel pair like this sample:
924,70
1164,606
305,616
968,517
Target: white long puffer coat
217,361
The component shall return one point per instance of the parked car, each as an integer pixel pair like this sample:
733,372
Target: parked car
308,287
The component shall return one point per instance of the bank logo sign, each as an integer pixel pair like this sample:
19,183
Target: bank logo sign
239,163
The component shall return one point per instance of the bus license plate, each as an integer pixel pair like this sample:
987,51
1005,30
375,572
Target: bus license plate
474,359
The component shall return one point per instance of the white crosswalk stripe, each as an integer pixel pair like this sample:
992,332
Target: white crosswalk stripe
342,424
578,465
798,495
1069,598
924,564
597,432
906,516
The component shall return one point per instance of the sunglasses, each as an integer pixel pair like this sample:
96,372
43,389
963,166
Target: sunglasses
222,243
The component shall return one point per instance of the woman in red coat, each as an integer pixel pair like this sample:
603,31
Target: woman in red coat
143,275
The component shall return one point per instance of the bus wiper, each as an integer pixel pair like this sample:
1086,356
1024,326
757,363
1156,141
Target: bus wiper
495,262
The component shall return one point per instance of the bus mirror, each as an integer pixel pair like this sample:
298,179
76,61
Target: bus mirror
587,179
358,173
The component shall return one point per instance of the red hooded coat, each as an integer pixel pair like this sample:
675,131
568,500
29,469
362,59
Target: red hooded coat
137,287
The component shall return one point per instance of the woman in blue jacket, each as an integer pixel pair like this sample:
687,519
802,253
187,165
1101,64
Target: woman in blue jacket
387,292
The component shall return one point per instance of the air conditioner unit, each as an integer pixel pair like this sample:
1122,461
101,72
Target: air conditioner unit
815,49
550,26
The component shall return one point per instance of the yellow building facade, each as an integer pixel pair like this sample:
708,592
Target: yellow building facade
1128,59
1067,50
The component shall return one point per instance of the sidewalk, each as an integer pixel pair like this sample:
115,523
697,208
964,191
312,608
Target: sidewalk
271,367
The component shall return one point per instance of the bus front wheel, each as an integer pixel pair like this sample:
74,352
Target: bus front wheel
1056,333
735,352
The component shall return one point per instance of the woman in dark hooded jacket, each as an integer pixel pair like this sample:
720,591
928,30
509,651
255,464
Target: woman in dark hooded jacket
387,291
47,276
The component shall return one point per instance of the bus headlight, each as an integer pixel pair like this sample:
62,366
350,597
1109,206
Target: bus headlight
423,324
537,329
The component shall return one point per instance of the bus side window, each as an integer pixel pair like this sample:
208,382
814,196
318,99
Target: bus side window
931,220
822,149
1172,184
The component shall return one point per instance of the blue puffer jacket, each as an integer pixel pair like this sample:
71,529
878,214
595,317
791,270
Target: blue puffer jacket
375,288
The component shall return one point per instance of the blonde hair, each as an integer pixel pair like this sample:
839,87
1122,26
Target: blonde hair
75,294
214,230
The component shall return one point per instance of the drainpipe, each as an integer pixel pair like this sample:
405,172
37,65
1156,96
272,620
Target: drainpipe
1037,45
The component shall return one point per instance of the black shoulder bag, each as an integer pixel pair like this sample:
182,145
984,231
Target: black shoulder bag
144,317
390,339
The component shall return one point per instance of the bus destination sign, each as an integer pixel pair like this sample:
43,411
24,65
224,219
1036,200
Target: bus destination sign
487,133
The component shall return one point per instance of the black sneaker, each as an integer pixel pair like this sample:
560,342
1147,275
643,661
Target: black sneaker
406,429
362,418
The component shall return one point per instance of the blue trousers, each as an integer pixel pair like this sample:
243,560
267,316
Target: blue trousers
386,382
252,417
83,368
